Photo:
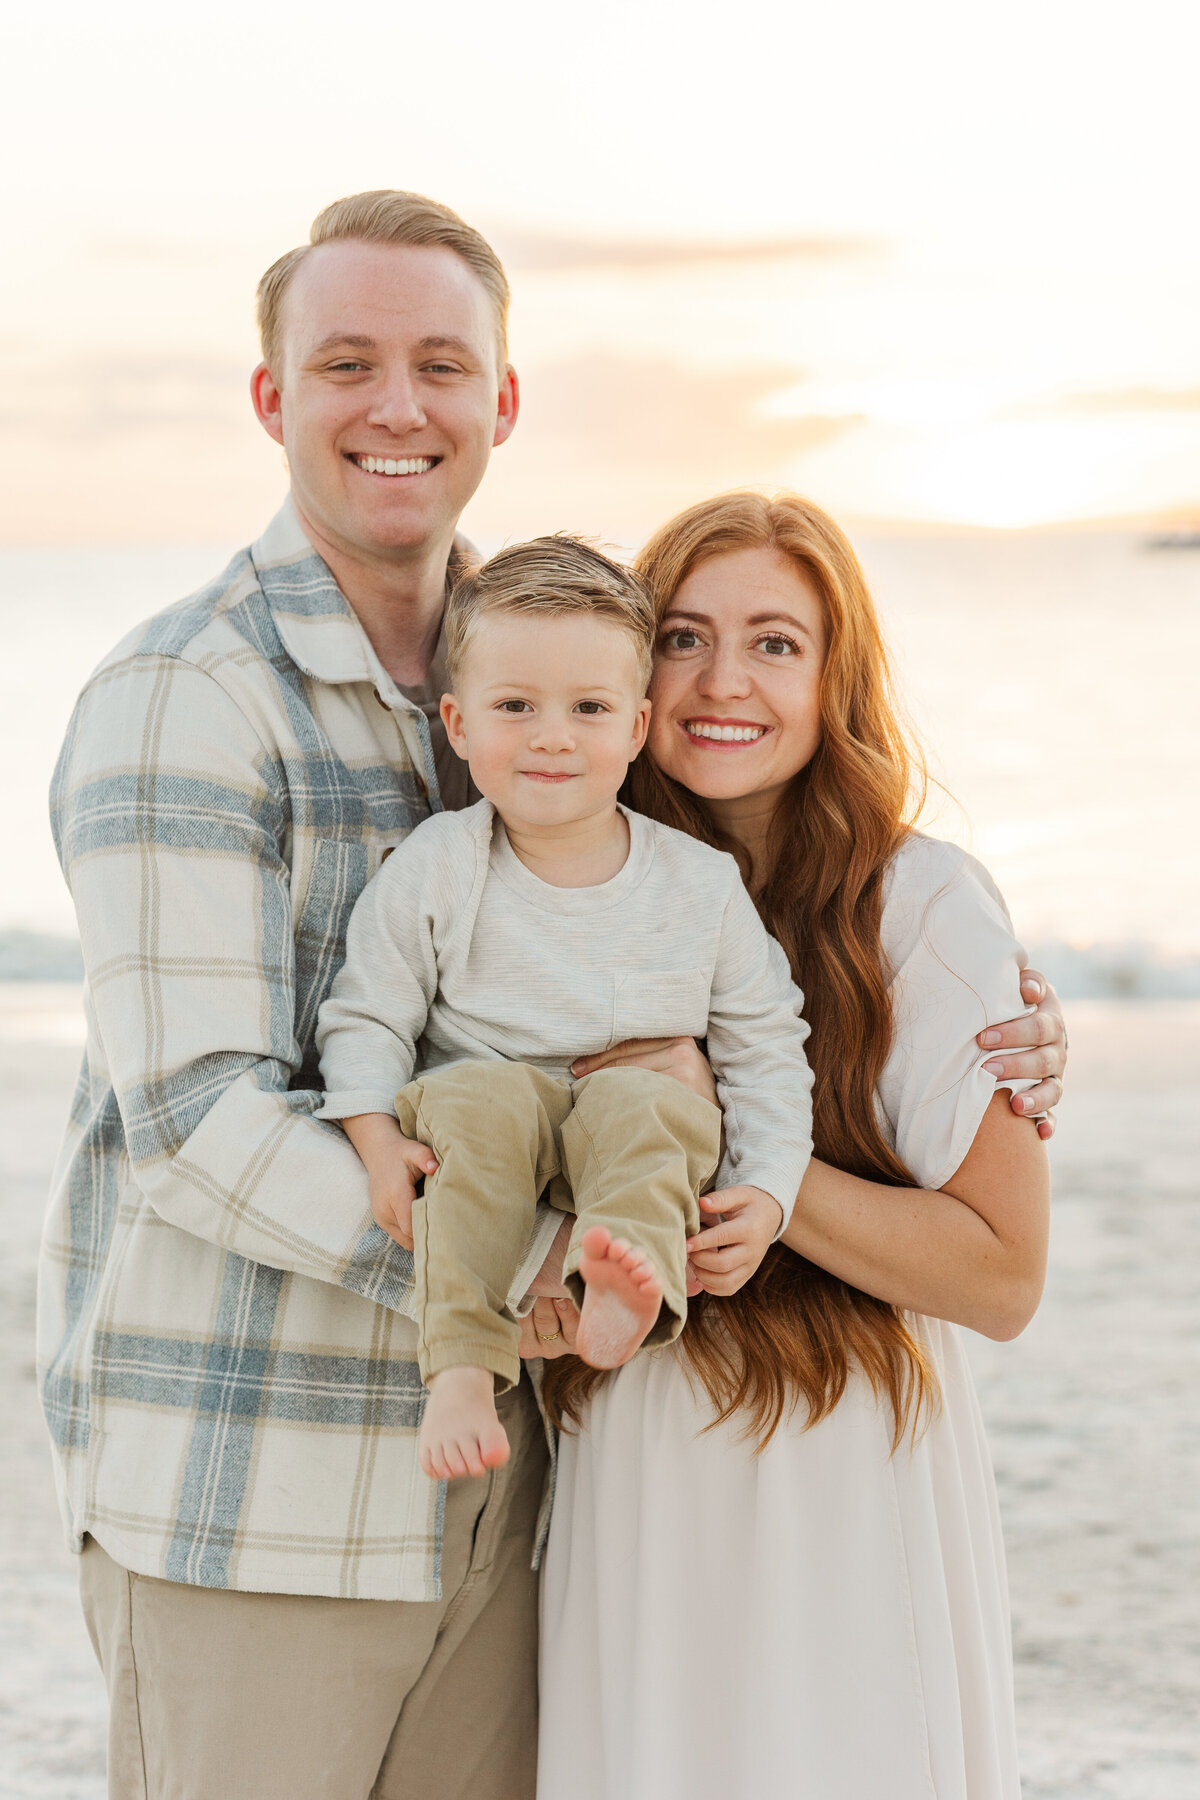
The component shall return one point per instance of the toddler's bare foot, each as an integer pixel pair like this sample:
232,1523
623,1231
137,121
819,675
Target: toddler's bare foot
460,1432
623,1294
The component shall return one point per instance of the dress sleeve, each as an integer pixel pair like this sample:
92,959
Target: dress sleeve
956,967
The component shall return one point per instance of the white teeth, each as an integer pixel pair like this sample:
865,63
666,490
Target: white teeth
725,734
401,465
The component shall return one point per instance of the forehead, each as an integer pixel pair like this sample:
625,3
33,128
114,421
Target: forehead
551,649
744,584
396,294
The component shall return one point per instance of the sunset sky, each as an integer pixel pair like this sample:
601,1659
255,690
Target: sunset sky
933,263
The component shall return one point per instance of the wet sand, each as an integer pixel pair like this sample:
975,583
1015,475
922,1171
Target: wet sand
1093,1413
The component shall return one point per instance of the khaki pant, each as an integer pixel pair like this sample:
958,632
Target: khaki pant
231,1696
627,1148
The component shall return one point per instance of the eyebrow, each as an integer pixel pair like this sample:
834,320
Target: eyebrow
766,618
528,687
357,341
353,338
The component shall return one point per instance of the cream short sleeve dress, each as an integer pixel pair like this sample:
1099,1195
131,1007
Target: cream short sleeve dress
823,1621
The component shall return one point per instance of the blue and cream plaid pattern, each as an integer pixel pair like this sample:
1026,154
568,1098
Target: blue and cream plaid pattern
228,1358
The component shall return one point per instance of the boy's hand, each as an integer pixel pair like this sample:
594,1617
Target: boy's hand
723,1257
393,1187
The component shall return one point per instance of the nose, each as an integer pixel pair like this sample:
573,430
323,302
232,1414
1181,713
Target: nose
725,674
396,405
552,733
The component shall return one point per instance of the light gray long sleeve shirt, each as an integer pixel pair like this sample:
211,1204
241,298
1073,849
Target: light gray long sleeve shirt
456,951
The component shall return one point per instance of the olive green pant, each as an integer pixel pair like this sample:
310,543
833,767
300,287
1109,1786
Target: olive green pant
626,1148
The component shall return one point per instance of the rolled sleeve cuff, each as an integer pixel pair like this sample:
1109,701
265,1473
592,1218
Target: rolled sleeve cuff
348,1105
546,1222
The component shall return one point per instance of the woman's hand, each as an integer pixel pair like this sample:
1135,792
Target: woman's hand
1039,1042
679,1057
724,1256
549,1330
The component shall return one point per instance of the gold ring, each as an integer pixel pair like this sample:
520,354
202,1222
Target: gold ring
548,1338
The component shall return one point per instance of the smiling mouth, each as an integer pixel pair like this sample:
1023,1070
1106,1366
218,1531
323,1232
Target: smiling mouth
709,731
394,465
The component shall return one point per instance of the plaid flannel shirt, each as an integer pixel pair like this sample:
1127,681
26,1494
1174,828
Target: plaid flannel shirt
225,1335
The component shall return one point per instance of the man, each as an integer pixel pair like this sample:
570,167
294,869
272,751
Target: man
284,1606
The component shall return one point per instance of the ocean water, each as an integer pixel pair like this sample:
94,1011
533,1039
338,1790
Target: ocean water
1052,676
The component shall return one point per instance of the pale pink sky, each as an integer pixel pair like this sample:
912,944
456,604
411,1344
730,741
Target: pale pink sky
926,263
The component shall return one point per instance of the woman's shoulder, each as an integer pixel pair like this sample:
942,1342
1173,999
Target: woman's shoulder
939,895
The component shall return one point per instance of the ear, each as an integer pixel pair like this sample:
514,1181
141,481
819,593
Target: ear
267,402
508,406
641,725
452,719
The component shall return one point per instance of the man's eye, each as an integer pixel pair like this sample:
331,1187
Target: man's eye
346,368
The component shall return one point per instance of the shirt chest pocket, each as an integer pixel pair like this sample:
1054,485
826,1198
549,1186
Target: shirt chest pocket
650,1003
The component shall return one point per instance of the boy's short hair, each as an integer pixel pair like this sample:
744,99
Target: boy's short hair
551,577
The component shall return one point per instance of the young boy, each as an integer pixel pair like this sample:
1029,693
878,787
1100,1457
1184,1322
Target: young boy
499,944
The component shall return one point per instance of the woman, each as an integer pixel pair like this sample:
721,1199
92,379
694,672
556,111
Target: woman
775,1564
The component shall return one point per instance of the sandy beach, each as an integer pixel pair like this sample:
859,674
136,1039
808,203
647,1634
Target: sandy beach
1094,1423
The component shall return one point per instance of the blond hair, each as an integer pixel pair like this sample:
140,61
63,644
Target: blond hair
385,216
550,577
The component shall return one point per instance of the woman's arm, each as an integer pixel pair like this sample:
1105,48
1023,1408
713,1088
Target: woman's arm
973,1252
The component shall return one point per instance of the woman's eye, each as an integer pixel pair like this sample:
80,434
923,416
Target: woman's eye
777,645
680,639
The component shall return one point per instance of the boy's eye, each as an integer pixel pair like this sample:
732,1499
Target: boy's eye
591,706
514,706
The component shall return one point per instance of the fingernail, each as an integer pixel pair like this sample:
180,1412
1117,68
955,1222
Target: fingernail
1024,1103
995,1067
561,1305
988,1038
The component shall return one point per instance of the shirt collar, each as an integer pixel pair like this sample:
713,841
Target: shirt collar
315,621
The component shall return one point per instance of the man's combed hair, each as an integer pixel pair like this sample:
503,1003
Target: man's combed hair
385,216
551,577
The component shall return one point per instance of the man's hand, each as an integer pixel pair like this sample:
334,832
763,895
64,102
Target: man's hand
394,1165
679,1057
1039,1043
723,1257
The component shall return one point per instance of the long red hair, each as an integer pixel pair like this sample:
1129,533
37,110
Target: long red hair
795,1332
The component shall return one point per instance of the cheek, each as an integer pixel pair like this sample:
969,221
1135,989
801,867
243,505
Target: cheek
798,710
